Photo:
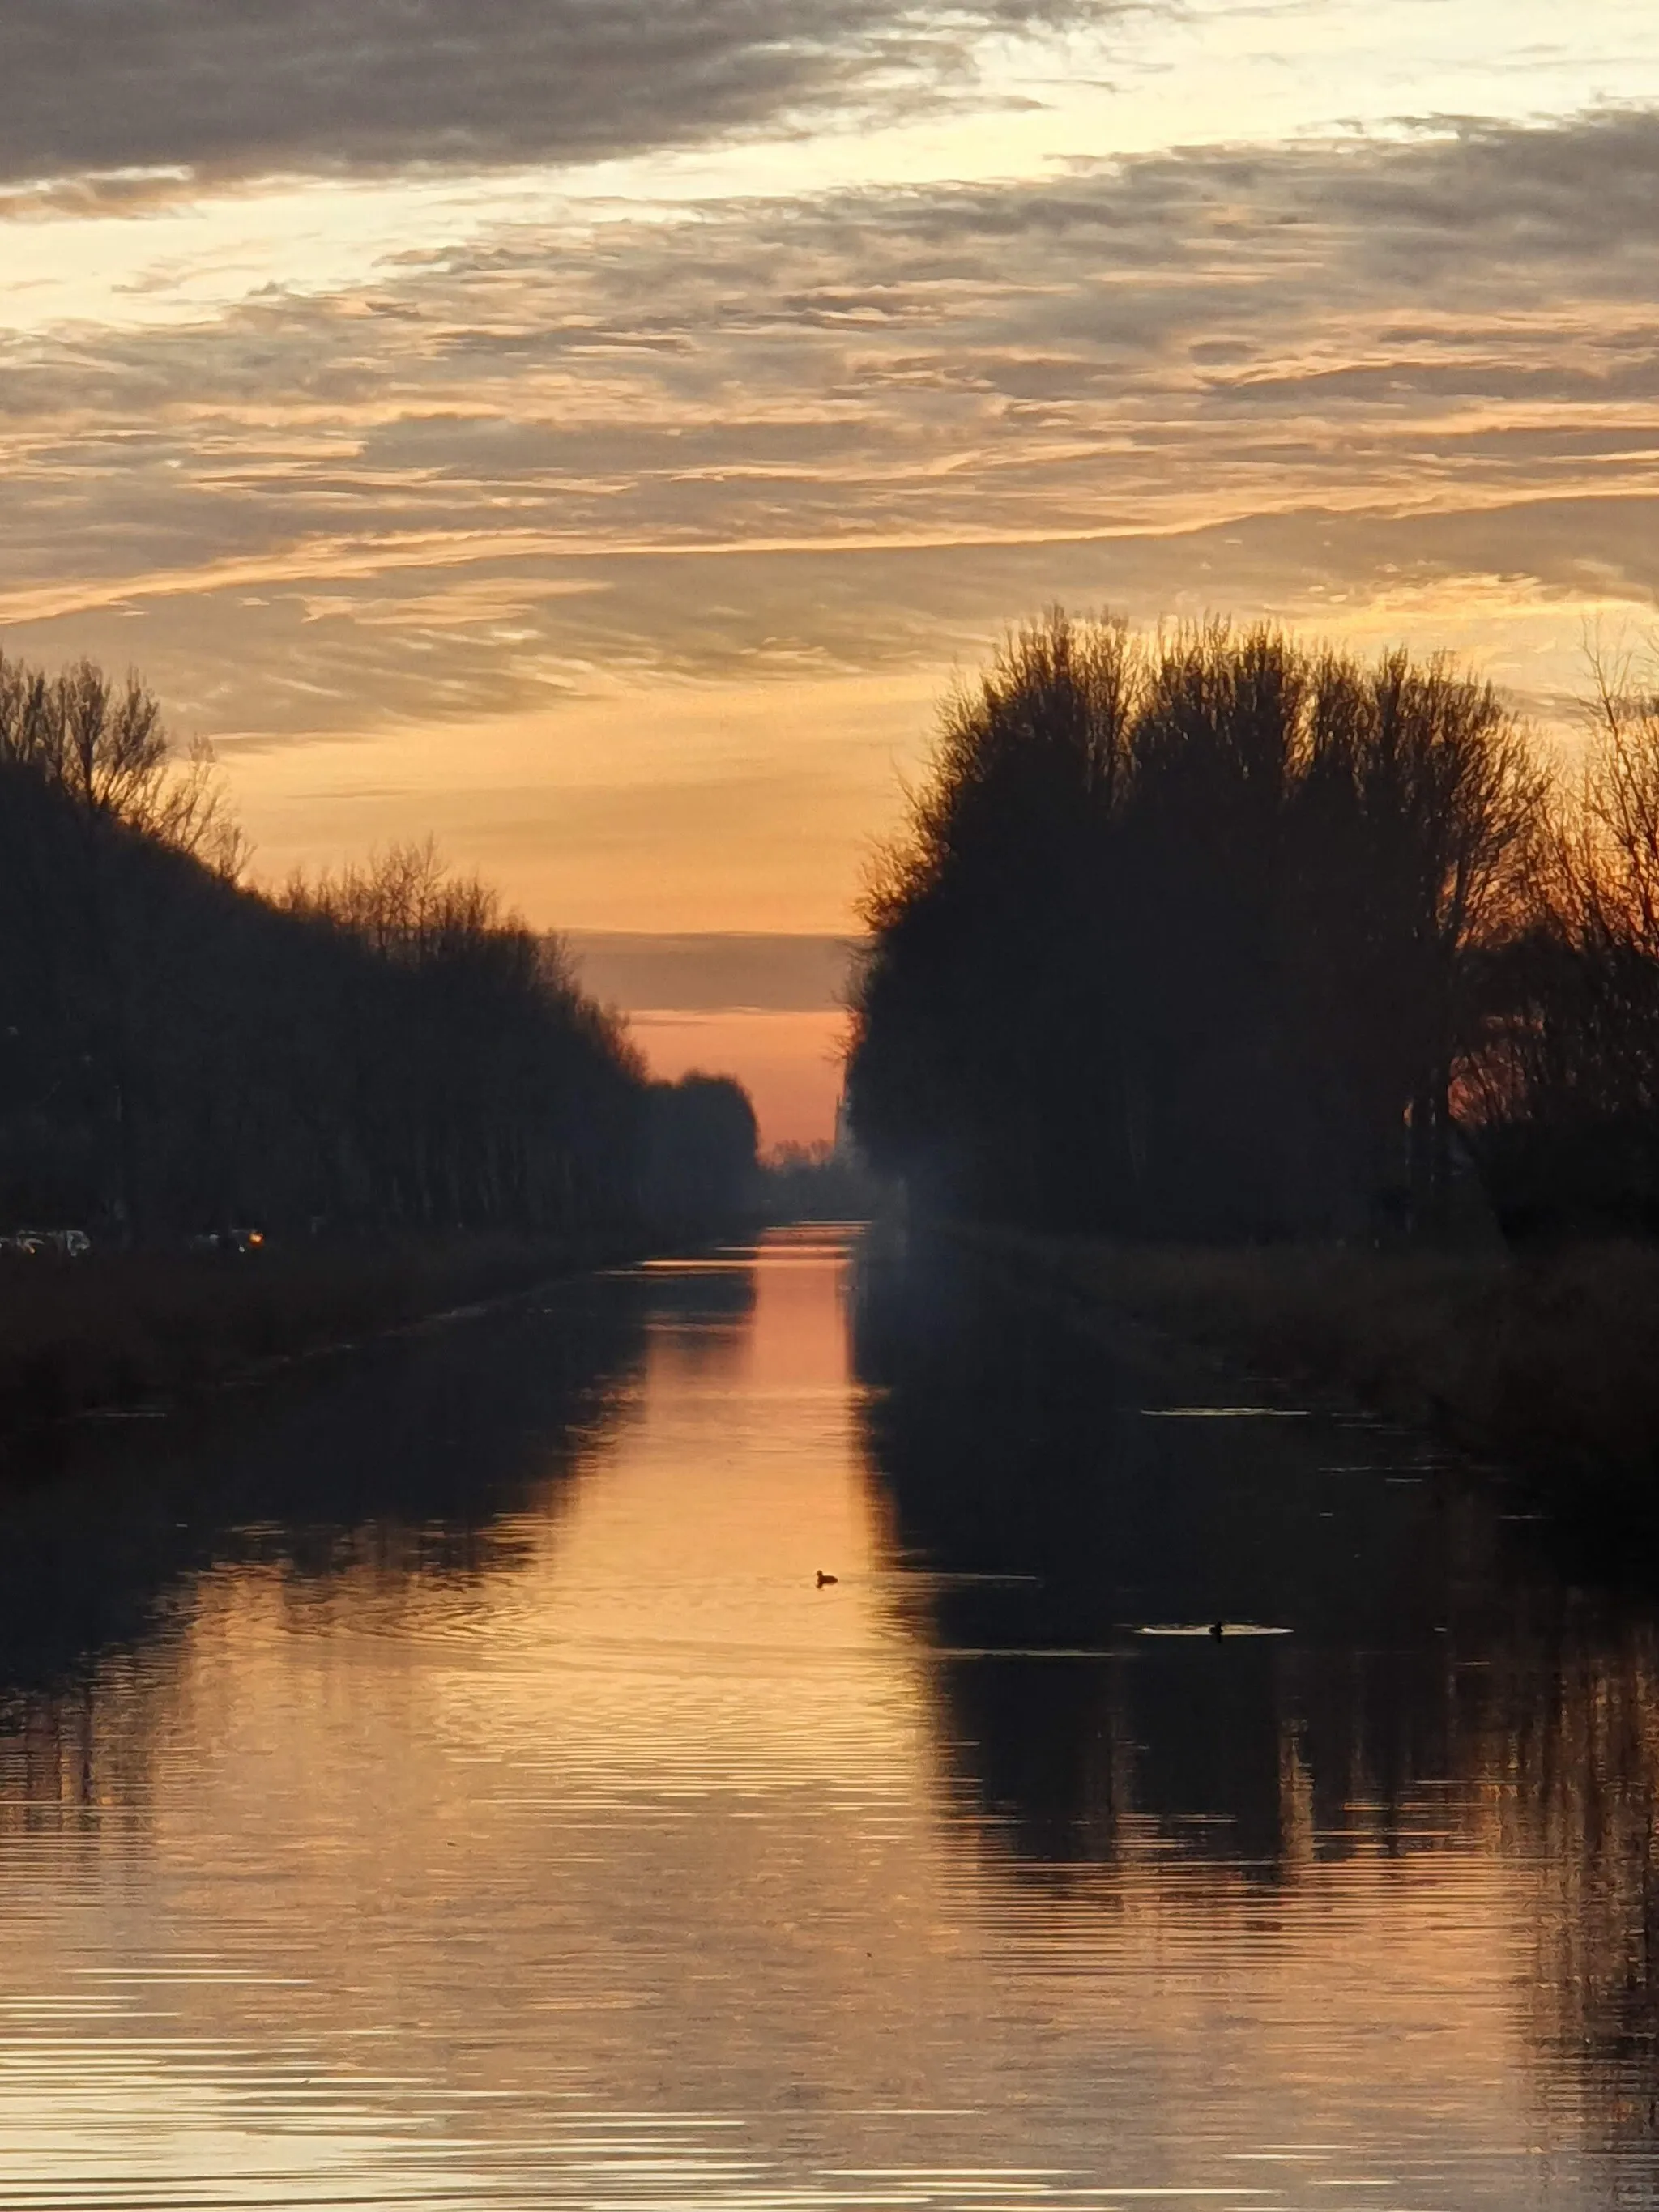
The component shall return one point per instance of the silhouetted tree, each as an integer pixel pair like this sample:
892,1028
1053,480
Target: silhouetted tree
1181,934
992,957
382,1050
817,1182
1562,1096
700,1164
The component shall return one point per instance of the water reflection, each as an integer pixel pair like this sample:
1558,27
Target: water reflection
415,1453
1446,1717
443,1780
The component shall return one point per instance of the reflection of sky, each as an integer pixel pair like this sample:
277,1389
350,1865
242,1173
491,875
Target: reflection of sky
619,517
631,1874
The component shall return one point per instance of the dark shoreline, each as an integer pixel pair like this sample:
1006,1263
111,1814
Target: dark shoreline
122,1333
1548,1362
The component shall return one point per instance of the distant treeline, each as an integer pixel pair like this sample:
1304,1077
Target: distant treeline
378,1052
1219,934
819,1182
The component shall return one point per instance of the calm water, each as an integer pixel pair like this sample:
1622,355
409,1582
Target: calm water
440,1780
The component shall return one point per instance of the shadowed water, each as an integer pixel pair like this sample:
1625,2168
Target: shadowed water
441,1780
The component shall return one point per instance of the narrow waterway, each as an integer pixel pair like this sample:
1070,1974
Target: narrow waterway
443,1779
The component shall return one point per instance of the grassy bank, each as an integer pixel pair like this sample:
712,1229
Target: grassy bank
1549,1361
118,1329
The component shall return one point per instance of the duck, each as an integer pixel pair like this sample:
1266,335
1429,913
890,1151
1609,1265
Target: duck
825,1580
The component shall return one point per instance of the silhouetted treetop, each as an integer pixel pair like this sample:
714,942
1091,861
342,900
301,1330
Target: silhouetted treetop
381,1049
1179,933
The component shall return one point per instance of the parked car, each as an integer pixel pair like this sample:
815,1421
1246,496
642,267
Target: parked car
55,1243
239,1241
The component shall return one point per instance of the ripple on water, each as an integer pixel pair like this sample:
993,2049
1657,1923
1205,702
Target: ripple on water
1224,1413
541,1836
1216,1632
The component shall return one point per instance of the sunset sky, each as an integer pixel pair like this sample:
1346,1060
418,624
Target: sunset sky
594,430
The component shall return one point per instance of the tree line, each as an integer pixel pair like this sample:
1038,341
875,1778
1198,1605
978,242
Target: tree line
1219,933
380,1050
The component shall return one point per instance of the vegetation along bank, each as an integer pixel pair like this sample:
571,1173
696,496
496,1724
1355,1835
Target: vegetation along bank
1544,1360
1299,1000
282,1117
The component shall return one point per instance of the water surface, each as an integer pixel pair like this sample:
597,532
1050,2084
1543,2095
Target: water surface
442,1780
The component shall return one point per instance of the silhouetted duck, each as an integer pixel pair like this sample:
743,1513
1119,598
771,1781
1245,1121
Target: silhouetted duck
824,1579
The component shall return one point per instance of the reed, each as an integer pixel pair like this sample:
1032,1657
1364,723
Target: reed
120,1330
1550,1360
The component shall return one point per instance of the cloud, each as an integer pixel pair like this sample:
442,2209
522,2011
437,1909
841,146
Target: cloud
705,971
806,438
233,87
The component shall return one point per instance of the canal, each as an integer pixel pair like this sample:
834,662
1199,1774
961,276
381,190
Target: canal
748,1732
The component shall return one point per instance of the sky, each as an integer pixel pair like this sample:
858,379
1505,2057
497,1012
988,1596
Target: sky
596,433
770,1006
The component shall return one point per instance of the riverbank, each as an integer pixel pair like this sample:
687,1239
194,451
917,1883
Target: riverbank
114,1331
1551,1362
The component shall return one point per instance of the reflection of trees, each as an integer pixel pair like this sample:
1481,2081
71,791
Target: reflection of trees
48,1758
1442,1691
700,1310
1568,1750
407,1463
1015,1448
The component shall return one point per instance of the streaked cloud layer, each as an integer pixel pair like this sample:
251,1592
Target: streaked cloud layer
611,425
723,972
782,437
264,87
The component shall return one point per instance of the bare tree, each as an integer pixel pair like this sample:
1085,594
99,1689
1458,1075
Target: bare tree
1186,935
383,1049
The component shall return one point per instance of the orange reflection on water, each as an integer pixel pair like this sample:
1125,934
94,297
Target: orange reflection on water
593,1854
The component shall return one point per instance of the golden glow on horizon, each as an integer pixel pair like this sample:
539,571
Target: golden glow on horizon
791,1061
620,523
697,806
